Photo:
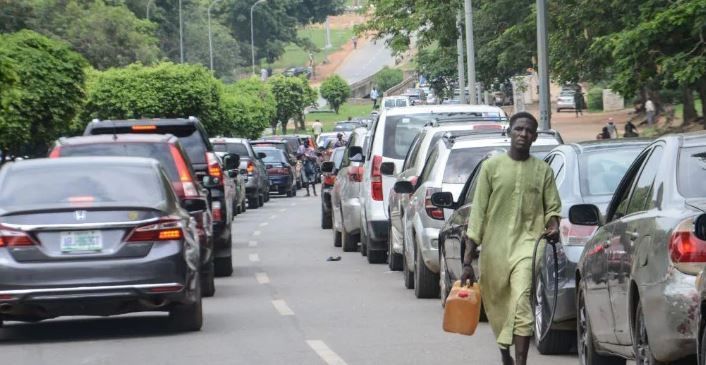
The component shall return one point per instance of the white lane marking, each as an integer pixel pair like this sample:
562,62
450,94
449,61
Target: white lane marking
283,210
256,233
294,204
325,353
254,257
274,216
262,278
252,243
282,307
264,224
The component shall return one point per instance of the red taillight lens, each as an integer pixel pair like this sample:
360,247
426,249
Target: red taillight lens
688,252
376,178
573,234
432,211
185,187
216,213
329,179
251,167
14,238
164,230
214,168
56,152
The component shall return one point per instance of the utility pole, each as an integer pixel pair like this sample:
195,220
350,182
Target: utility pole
543,65
181,36
149,2
461,68
252,34
210,40
328,35
471,51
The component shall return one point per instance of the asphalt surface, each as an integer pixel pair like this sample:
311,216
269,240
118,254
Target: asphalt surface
285,304
369,58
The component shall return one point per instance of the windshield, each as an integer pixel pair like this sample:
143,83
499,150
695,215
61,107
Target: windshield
271,155
63,185
462,162
158,151
280,146
238,148
601,171
346,126
399,133
691,172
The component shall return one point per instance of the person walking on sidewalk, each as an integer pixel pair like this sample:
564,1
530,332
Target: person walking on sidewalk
579,103
516,201
651,111
374,95
317,128
309,158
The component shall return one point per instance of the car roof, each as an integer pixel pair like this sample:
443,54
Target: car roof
117,138
690,139
447,108
486,140
269,141
145,121
86,161
587,146
228,140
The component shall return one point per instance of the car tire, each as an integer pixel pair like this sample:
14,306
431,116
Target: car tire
426,282
444,278
640,340
267,196
326,219
244,205
261,200
394,260
208,282
188,317
701,349
556,342
584,337
407,274
223,266
337,238
253,203
363,243
376,256
348,241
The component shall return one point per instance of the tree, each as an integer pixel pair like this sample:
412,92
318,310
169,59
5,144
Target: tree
387,78
438,65
292,95
44,94
249,107
336,91
165,90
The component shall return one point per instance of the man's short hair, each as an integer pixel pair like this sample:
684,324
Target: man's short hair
524,115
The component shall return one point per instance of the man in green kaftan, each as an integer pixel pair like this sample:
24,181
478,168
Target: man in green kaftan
515,202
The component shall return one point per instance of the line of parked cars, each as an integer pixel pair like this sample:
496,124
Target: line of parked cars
135,215
633,227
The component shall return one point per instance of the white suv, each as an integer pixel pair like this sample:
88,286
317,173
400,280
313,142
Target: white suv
392,135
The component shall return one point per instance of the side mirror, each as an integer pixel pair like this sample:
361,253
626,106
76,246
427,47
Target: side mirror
194,205
403,187
355,154
700,227
443,199
387,168
585,215
210,182
261,155
231,161
327,167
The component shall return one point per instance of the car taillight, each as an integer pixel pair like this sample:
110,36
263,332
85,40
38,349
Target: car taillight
284,170
214,168
14,238
185,187
164,230
55,153
376,178
573,234
432,211
251,167
355,173
688,252
216,213
329,179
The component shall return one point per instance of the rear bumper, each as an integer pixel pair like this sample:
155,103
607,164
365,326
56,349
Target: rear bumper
350,209
280,181
377,233
326,199
429,248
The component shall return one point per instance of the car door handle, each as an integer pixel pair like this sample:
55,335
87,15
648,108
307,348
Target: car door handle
634,235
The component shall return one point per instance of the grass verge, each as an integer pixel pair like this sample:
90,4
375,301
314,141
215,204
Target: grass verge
329,119
295,56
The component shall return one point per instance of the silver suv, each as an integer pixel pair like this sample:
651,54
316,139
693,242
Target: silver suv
257,185
447,168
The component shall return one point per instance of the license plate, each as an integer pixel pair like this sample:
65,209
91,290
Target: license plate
83,241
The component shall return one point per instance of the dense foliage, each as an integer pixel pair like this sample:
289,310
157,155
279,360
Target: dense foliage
387,78
336,91
249,108
292,95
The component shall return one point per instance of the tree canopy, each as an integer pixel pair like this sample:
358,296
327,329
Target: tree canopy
336,91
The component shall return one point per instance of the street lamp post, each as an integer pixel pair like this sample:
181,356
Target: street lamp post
210,40
149,2
543,65
181,36
252,34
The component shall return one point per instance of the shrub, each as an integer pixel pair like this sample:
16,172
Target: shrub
249,108
336,91
387,78
595,99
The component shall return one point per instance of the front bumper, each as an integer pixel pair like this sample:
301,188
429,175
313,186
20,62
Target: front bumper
280,181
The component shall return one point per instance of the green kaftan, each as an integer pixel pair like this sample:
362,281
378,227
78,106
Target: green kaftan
513,202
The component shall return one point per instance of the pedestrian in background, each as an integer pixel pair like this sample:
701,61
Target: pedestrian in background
309,158
355,42
579,103
340,142
630,130
374,95
612,130
651,111
317,128
515,202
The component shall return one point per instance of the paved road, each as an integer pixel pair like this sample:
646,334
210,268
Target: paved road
365,61
284,305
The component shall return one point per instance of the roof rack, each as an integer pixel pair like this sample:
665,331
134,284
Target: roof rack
464,119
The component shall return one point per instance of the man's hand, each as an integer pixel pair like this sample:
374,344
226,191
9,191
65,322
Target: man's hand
551,233
468,277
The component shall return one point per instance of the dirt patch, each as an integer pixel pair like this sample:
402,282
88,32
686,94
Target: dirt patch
335,59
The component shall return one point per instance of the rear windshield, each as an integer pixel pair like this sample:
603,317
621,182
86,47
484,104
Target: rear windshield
238,148
337,157
462,162
271,155
158,151
346,127
691,172
85,184
601,171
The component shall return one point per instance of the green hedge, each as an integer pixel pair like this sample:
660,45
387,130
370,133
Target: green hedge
387,78
595,99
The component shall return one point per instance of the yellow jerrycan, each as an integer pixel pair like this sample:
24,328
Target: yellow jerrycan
462,310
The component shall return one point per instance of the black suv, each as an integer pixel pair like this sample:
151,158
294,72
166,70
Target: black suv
206,165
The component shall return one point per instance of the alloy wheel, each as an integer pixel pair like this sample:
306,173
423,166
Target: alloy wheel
582,331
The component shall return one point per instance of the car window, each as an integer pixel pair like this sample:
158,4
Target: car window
399,133
473,183
59,185
557,165
428,167
238,148
337,157
642,192
401,102
412,154
462,162
158,151
600,172
691,172
271,155
622,193
194,146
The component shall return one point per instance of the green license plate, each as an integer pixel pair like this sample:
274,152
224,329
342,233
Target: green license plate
82,241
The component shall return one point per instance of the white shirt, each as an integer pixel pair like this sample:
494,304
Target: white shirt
374,94
317,127
649,106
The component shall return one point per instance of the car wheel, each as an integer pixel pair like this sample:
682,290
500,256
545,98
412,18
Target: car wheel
407,274
426,282
223,266
294,192
208,283
640,341
267,196
261,200
326,219
702,346
188,317
584,336
394,260
444,278
363,243
376,256
556,342
253,203
348,241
